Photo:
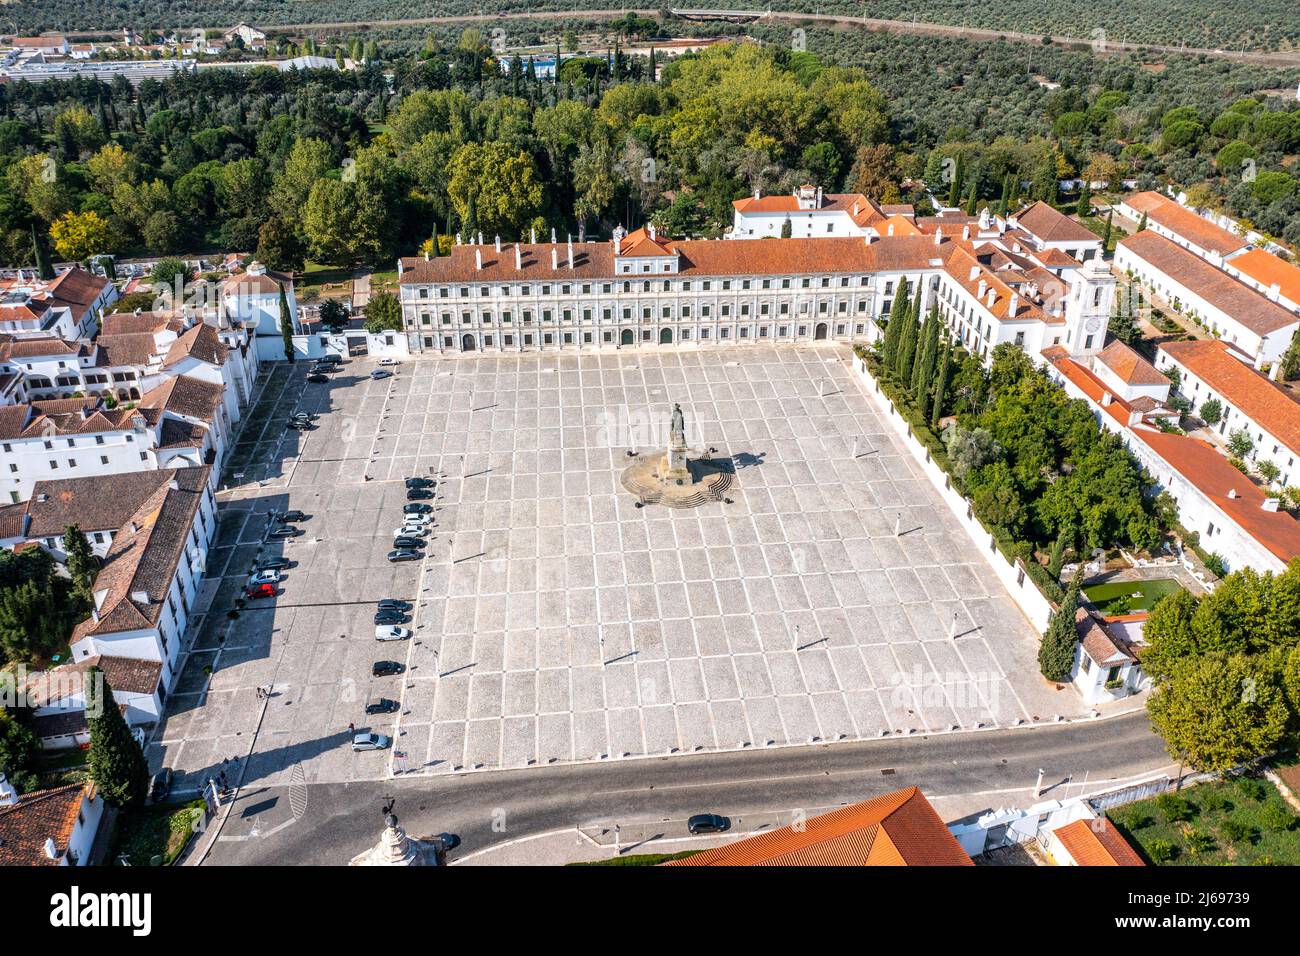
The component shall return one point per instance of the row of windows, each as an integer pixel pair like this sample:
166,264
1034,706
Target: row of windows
665,336
72,443
646,312
647,285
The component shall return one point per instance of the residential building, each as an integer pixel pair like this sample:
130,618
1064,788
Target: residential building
54,827
1229,309
1106,665
249,37
896,829
813,214
50,43
58,697
251,299
1183,227
1230,514
1092,841
69,305
1268,274
1249,401
643,289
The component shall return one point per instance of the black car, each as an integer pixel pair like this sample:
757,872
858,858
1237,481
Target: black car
389,616
273,564
392,604
416,509
418,494
386,669
405,542
287,516
708,823
330,360
161,785
381,705
322,366
284,531
318,379
420,482
405,554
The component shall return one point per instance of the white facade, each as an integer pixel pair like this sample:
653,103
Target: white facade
24,460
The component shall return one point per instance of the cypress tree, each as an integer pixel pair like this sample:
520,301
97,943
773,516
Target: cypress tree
972,199
954,188
286,327
894,330
1085,198
907,346
923,376
433,240
117,764
1142,223
43,267
1006,195
1056,651
471,217
81,561
1105,236
941,384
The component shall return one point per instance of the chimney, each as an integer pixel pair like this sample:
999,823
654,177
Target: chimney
1232,493
965,232
1269,504
8,795
532,236
137,310
757,194
498,242
519,259
399,262
993,297
570,252
552,235
480,237
983,287
890,231
458,239
974,274
140,597
1106,399
50,849
819,197
1274,291
855,210
650,230
555,258
870,236
478,258
938,236
173,484
1015,304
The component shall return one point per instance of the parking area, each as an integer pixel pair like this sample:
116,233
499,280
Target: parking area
833,598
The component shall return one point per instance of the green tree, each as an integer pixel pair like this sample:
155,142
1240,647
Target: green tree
117,764
501,182
333,315
1219,711
1211,411
1240,443
18,750
81,561
43,267
383,313
941,383
1056,650
170,274
286,327
1084,209
894,329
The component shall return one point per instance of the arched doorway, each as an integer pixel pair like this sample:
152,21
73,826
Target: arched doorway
820,332
665,336
467,343
626,338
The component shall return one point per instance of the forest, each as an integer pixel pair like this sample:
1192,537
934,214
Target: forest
345,167
1260,25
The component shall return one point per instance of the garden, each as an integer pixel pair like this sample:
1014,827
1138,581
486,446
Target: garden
155,836
1242,822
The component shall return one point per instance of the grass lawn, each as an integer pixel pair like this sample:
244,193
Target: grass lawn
1123,597
642,859
383,281
319,280
156,832
1242,822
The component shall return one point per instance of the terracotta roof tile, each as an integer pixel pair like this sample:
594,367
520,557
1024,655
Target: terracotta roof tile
185,395
95,503
1129,366
1269,270
1050,225
896,829
1183,222
35,818
1241,387
1096,843
201,342
1229,295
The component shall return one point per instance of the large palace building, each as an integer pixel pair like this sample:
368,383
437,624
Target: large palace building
993,279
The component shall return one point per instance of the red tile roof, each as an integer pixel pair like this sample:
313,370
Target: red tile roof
1269,270
95,503
1050,225
1181,221
1241,387
1129,366
37,817
1231,296
187,396
897,829
201,342
1096,842
64,416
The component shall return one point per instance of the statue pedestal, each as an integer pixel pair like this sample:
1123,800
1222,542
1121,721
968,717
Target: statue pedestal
674,466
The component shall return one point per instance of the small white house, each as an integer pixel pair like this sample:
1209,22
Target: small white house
1106,666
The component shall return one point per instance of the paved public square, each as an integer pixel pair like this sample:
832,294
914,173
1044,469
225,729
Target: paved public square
834,598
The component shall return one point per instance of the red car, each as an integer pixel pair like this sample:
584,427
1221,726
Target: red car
260,591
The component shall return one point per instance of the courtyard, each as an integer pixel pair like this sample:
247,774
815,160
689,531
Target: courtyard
833,598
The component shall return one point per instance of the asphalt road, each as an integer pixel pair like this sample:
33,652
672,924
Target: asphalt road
329,823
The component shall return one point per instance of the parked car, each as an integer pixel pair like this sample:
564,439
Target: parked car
298,425
708,823
390,616
161,785
285,516
273,564
284,531
330,359
415,508
254,591
410,530
370,742
403,542
305,416
322,366
389,362
405,554
380,373
263,576
316,378
391,632
418,494
420,482
386,669
392,604
381,705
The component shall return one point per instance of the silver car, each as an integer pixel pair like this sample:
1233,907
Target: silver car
370,742
391,632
